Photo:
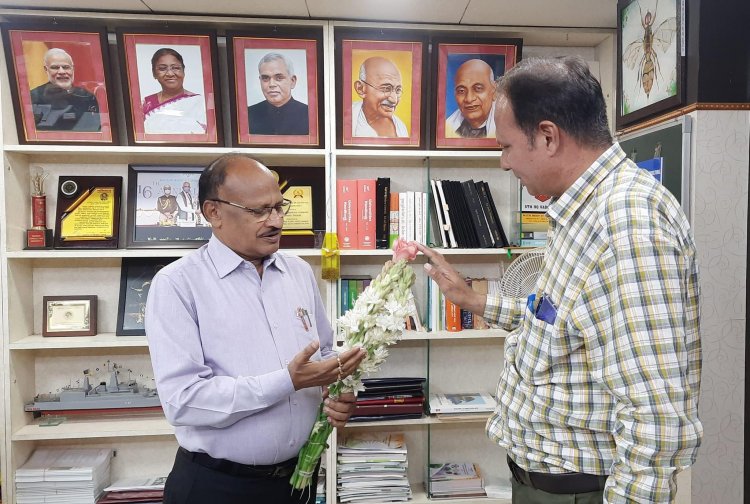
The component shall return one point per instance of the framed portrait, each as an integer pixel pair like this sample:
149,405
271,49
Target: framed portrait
163,209
172,93
464,80
380,88
650,59
69,316
136,274
276,88
60,84
305,223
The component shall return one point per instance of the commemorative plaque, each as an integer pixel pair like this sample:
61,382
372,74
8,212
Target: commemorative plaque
88,212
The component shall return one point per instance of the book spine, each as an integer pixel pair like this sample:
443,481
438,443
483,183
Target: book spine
489,214
477,214
418,217
366,213
410,215
382,212
346,209
402,233
452,316
393,232
493,209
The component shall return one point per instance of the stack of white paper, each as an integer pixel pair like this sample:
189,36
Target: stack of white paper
372,468
63,476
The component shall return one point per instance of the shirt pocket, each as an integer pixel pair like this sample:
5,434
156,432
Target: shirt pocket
303,327
542,349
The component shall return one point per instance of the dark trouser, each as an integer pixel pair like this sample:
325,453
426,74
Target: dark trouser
190,482
525,491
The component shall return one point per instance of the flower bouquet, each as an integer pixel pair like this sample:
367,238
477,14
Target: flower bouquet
375,322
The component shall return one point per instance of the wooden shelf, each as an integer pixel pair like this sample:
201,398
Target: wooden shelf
372,154
104,340
478,418
449,335
451,252
91,428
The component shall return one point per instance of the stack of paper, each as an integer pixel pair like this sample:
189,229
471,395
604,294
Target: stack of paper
63,476
455,480
372,468
146,490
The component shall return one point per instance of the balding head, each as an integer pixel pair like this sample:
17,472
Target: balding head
474,90
379,86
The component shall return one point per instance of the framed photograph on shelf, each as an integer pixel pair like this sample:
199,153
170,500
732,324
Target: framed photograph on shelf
135,278
69,316
171,84
650,78
163,209
305,223
276,88
60,84
380,88
465,75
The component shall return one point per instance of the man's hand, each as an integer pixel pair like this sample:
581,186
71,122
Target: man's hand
340,409
306,373
451,284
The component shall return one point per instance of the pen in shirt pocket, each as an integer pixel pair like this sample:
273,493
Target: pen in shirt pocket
304,317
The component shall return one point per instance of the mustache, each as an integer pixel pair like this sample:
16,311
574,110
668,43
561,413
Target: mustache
272,232
388,103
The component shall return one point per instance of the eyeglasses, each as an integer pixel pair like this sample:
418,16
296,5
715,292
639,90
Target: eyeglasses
386,89
262,213
167,68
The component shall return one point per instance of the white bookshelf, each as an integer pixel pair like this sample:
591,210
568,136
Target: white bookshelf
465,360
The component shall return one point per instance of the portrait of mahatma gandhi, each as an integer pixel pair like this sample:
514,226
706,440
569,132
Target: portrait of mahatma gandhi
379,88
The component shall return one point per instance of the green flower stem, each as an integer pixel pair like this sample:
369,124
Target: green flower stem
393,282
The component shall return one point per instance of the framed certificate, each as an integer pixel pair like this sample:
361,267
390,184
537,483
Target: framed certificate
69,316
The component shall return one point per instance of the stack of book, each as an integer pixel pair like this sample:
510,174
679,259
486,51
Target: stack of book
464,403
466,214
443,315
446,481
389,399
147,490
372,468
63,476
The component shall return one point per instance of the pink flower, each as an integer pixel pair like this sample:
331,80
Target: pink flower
403,249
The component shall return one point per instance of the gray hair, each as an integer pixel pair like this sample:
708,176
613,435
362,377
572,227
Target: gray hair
276,57
56,51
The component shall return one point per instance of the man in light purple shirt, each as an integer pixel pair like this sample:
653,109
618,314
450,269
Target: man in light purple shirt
241,346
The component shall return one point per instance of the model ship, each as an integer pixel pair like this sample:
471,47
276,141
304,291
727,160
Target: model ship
109,397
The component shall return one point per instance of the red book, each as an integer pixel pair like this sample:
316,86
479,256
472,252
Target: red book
390,400
346,208
366,222
387,409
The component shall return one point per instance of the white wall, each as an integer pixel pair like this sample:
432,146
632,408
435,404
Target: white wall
721,140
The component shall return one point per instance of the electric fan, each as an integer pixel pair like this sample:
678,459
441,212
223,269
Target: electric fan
521,275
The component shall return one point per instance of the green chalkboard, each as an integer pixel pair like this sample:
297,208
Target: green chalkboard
640,146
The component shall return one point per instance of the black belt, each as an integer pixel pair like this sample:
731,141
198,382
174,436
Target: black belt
280,470
558,483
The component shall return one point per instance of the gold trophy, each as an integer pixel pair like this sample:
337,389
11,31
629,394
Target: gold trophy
38,236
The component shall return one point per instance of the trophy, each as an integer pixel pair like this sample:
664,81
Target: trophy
38,236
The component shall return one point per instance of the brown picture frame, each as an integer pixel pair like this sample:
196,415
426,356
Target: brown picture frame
465,72
69,316
176,107
404,50
68,101
285,111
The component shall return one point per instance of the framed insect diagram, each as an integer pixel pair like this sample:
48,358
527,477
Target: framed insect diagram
650,59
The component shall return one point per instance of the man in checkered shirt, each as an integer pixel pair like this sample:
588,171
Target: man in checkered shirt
598,396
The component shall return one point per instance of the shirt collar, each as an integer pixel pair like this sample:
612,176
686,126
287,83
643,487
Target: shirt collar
563,208
226,260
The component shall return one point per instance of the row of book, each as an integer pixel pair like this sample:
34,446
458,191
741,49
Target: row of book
453,215
444,315
467,215
147,490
